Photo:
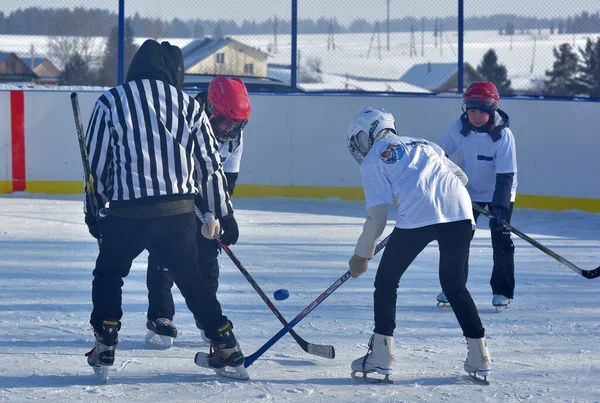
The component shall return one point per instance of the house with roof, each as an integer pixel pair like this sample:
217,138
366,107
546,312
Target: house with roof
439,77
47,73
13,69
223,56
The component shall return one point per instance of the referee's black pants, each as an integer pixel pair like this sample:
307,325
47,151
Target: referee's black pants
454,239
159,278
172,240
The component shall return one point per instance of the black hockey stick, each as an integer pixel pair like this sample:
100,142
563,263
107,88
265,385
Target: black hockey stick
590,274
287,328
321,350
90,194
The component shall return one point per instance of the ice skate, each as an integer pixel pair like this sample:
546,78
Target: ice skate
378,359
102,356
161,333
442,301
200,326
479,361
500,302
225,357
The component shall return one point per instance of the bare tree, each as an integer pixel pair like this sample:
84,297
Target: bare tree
62,48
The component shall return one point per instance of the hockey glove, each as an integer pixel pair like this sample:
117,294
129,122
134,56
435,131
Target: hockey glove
93,225
231,232
211,228
358,265
500,214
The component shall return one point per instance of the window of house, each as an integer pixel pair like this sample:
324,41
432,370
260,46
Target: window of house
220,58
249,68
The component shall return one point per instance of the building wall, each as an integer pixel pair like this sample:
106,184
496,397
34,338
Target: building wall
295,144
234,62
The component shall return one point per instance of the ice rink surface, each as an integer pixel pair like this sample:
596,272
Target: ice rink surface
545,347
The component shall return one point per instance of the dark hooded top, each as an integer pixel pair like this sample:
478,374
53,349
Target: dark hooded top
158,61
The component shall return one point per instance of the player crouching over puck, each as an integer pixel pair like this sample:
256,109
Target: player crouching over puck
433,204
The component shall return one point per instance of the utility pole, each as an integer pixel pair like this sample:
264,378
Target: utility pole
388,25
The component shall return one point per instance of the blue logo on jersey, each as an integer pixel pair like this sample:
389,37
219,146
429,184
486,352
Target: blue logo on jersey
392,153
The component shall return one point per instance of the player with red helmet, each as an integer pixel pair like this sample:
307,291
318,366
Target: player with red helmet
227,105
486,145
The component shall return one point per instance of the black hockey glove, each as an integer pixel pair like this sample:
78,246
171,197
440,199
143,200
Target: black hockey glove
231,232
500,214
93,225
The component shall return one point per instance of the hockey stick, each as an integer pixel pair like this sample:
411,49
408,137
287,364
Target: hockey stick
90,194
253,357
325,351
590,274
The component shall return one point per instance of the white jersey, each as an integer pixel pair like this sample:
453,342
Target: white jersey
231,154
417,174
482,158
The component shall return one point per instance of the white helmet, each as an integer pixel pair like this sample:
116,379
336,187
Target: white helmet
365,128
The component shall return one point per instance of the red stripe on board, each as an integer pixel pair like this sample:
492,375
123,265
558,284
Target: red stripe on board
17,117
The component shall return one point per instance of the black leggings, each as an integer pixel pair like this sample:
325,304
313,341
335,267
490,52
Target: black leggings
172,240
159,279
403,247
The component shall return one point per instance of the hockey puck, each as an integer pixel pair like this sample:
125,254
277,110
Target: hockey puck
281,294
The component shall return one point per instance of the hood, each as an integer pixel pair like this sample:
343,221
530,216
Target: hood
157,61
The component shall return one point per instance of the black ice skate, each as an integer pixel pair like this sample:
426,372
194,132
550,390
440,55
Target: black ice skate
226,357
102,356
161,333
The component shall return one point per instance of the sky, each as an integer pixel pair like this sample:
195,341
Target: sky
343,10
544,346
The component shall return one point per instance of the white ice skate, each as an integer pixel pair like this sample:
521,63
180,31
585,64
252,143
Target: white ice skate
478,362
442,301
161,333
500,302
378,359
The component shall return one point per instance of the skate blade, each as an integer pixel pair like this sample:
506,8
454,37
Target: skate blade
481,379
386,379
101,372
500,308
159,341
239,373
443,305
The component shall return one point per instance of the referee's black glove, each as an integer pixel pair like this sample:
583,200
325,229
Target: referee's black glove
231,232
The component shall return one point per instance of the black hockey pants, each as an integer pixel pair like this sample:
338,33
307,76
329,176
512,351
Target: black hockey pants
503,273
403,247
171,240
160,280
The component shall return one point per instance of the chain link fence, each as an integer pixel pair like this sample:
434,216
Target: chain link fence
534,48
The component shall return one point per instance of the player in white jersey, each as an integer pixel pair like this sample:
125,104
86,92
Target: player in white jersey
433,204
227,105
485,143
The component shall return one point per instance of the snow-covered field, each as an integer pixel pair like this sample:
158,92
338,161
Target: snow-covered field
526,56
545,347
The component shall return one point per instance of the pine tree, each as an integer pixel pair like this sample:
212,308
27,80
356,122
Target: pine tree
76,72
107,74
589,68
562,79
494,72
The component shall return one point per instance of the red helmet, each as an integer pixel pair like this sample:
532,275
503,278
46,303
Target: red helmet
228,106
481,95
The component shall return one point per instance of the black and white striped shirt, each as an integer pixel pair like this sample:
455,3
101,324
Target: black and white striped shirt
145,138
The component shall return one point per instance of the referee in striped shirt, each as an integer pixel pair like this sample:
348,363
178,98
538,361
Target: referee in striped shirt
151,151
